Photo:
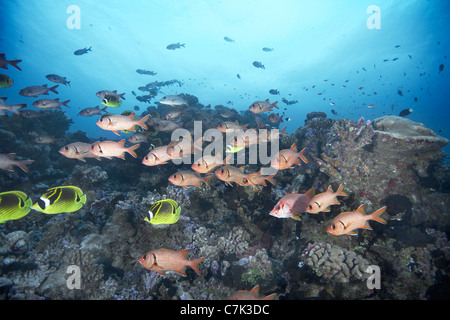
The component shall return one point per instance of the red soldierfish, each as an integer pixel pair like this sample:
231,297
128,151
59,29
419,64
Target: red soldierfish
346,222
292,205
110,149
163,260
286,158
322,201
7,162
157,156
186,178
251,295
117,122
262,106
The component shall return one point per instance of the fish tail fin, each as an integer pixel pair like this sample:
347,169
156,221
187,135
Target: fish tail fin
53,89
122,95
142,122
14,63
300,154
270,297
270,179
15,108
23,164
104,109
68,83
131,149
283,131
207,178
64,103
339,191
376,215
194,264
227,159
275,105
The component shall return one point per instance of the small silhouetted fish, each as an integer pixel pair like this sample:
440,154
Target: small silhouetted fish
136,108
415,99
333,111
274,91
267,49
258,64
400,92
397,46
238,76
58,79
174,46
395,59
228,39
148,72
364,69
409,56
441,67
79,52
405,112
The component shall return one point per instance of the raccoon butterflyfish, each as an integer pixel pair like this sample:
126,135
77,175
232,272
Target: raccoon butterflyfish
60,199
14,205
111,101
165,211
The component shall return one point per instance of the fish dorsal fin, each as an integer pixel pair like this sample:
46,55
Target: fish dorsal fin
330,189
241,169
184,252
361,209
267,100
121,143
293,147
131,115
255,290
311,193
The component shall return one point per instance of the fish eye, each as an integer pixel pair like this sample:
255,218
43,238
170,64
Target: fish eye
144,257
221,171
333,226
175,176
146,158
310,206
278,208
101,119
66,148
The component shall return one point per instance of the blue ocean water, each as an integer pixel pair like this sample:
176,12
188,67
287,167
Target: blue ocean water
312,41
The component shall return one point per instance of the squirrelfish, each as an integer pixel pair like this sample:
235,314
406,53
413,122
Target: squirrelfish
292,205
88,112
14,108
275,118
50,103
262,106
230,174
34,91
256,178
322,201
78,150
58,79
117,122
14,205
173,100
7,162
165,211
157,156
163,260
110,149
60,199
208,163
286,158
347,222
230,125
253,294
186,178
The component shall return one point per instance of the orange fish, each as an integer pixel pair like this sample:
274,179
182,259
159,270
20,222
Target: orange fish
157,156
262,106
163,260
253,294
78,150
245,138
256,178
117,122
186,178
346,222
7,162
208,163
286,158
229,125
230,174
267,136
110,149
292,205
322,201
